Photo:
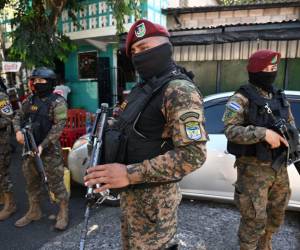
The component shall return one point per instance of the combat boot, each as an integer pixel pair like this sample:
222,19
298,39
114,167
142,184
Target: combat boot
62,218
9,206
34,213
265,241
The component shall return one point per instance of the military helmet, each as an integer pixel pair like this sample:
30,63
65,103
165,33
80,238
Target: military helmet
44,73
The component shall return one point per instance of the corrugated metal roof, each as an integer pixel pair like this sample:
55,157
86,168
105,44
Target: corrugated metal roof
247,2
233,25
236,6
267,32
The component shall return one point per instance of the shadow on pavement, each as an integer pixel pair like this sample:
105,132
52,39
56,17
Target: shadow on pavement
37,233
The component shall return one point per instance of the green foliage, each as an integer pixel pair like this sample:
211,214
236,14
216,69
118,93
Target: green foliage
35,38
122,8
3,3
38,45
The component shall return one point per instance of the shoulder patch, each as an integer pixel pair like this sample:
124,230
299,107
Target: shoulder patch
6,108
193,130
123,105
234,106
184,116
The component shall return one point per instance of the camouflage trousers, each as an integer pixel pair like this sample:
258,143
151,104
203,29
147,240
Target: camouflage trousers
149,217
5,181
262,195
53,164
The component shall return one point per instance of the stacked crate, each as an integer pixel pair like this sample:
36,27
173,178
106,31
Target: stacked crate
75,127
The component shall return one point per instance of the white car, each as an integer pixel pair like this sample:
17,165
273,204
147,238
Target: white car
215,179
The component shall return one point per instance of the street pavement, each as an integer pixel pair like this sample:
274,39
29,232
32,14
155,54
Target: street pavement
37,233
203,225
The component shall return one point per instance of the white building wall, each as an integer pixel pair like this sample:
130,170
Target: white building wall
192,3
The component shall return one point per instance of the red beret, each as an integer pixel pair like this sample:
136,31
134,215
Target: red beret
261,59
142,29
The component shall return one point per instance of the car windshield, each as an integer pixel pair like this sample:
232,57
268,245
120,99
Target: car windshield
214,111
295,106
213,117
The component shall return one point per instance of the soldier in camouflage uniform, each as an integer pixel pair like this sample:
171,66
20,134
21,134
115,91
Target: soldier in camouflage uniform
165,143
6,114
261,193
47,113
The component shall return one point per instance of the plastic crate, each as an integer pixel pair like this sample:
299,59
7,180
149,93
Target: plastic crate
74,128
76,118
69,136
67,139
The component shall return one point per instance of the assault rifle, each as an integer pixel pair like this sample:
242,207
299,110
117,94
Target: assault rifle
292,154
96,144
31,149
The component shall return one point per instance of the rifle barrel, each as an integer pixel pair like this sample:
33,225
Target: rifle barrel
31,146
96,142
85,229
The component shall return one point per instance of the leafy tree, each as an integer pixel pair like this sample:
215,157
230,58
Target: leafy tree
122,8
36,39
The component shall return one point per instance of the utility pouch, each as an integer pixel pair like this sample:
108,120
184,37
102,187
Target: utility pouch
263,151
115,144
279,158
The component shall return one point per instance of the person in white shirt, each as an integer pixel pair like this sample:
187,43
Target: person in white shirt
62,90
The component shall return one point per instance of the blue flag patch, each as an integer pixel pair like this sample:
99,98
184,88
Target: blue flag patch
234,106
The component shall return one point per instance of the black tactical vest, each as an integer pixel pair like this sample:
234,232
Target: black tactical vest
36,113
258,116
142,123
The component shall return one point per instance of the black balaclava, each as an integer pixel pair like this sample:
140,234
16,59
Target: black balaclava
43,89
154,61
263,80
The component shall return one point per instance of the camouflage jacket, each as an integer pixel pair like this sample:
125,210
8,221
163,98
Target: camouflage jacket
182,108
57,114
6,114
235,114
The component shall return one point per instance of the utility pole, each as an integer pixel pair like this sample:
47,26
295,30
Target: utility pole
2,49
